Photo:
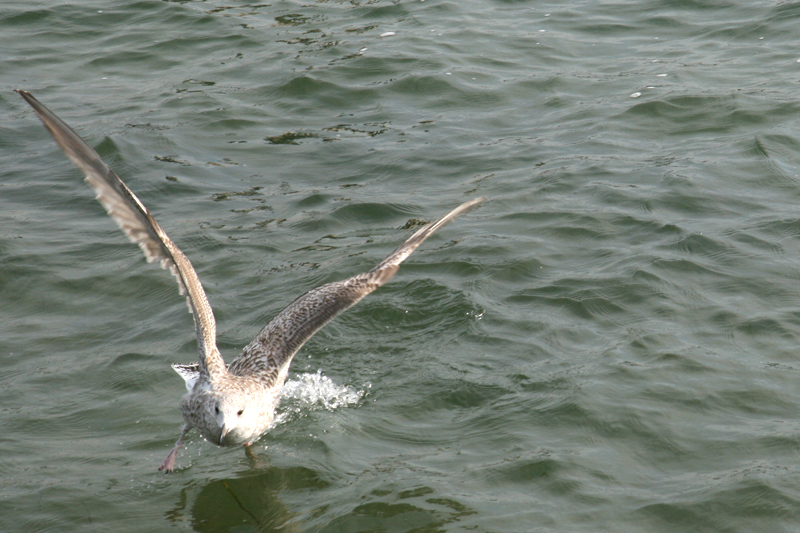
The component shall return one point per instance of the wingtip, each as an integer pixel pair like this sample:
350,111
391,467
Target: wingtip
465,207
37,106
477,201
40,109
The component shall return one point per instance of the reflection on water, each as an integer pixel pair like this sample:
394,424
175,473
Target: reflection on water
249,502
252,501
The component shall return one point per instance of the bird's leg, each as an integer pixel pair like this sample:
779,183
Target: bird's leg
261,463
169,463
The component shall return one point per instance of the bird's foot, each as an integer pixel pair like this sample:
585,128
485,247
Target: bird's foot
169,463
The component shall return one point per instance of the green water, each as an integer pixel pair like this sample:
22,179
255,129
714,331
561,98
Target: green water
609,344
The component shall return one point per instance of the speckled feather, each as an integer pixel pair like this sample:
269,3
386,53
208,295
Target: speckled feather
233,405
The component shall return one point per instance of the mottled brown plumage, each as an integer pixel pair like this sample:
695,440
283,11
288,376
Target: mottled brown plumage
235,404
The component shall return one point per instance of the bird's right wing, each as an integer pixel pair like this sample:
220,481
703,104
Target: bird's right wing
272,349
139,225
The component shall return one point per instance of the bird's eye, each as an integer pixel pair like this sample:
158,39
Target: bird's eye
216,409
240,412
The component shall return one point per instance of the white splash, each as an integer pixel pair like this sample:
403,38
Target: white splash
312,392
316,390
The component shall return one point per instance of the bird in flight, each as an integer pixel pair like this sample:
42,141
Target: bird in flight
231,404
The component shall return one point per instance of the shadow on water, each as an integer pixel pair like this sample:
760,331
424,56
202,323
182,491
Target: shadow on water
249,502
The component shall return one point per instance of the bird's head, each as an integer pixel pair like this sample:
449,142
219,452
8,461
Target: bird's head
231,413
227,411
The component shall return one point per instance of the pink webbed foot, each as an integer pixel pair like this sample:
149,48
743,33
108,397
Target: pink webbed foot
169,463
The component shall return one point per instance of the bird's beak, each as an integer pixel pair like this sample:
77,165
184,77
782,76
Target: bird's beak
223,433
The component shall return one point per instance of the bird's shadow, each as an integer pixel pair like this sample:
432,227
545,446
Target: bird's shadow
248,501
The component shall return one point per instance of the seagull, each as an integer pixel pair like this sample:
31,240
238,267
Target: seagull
233,404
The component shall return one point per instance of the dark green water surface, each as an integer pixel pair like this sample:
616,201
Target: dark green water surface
609,344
